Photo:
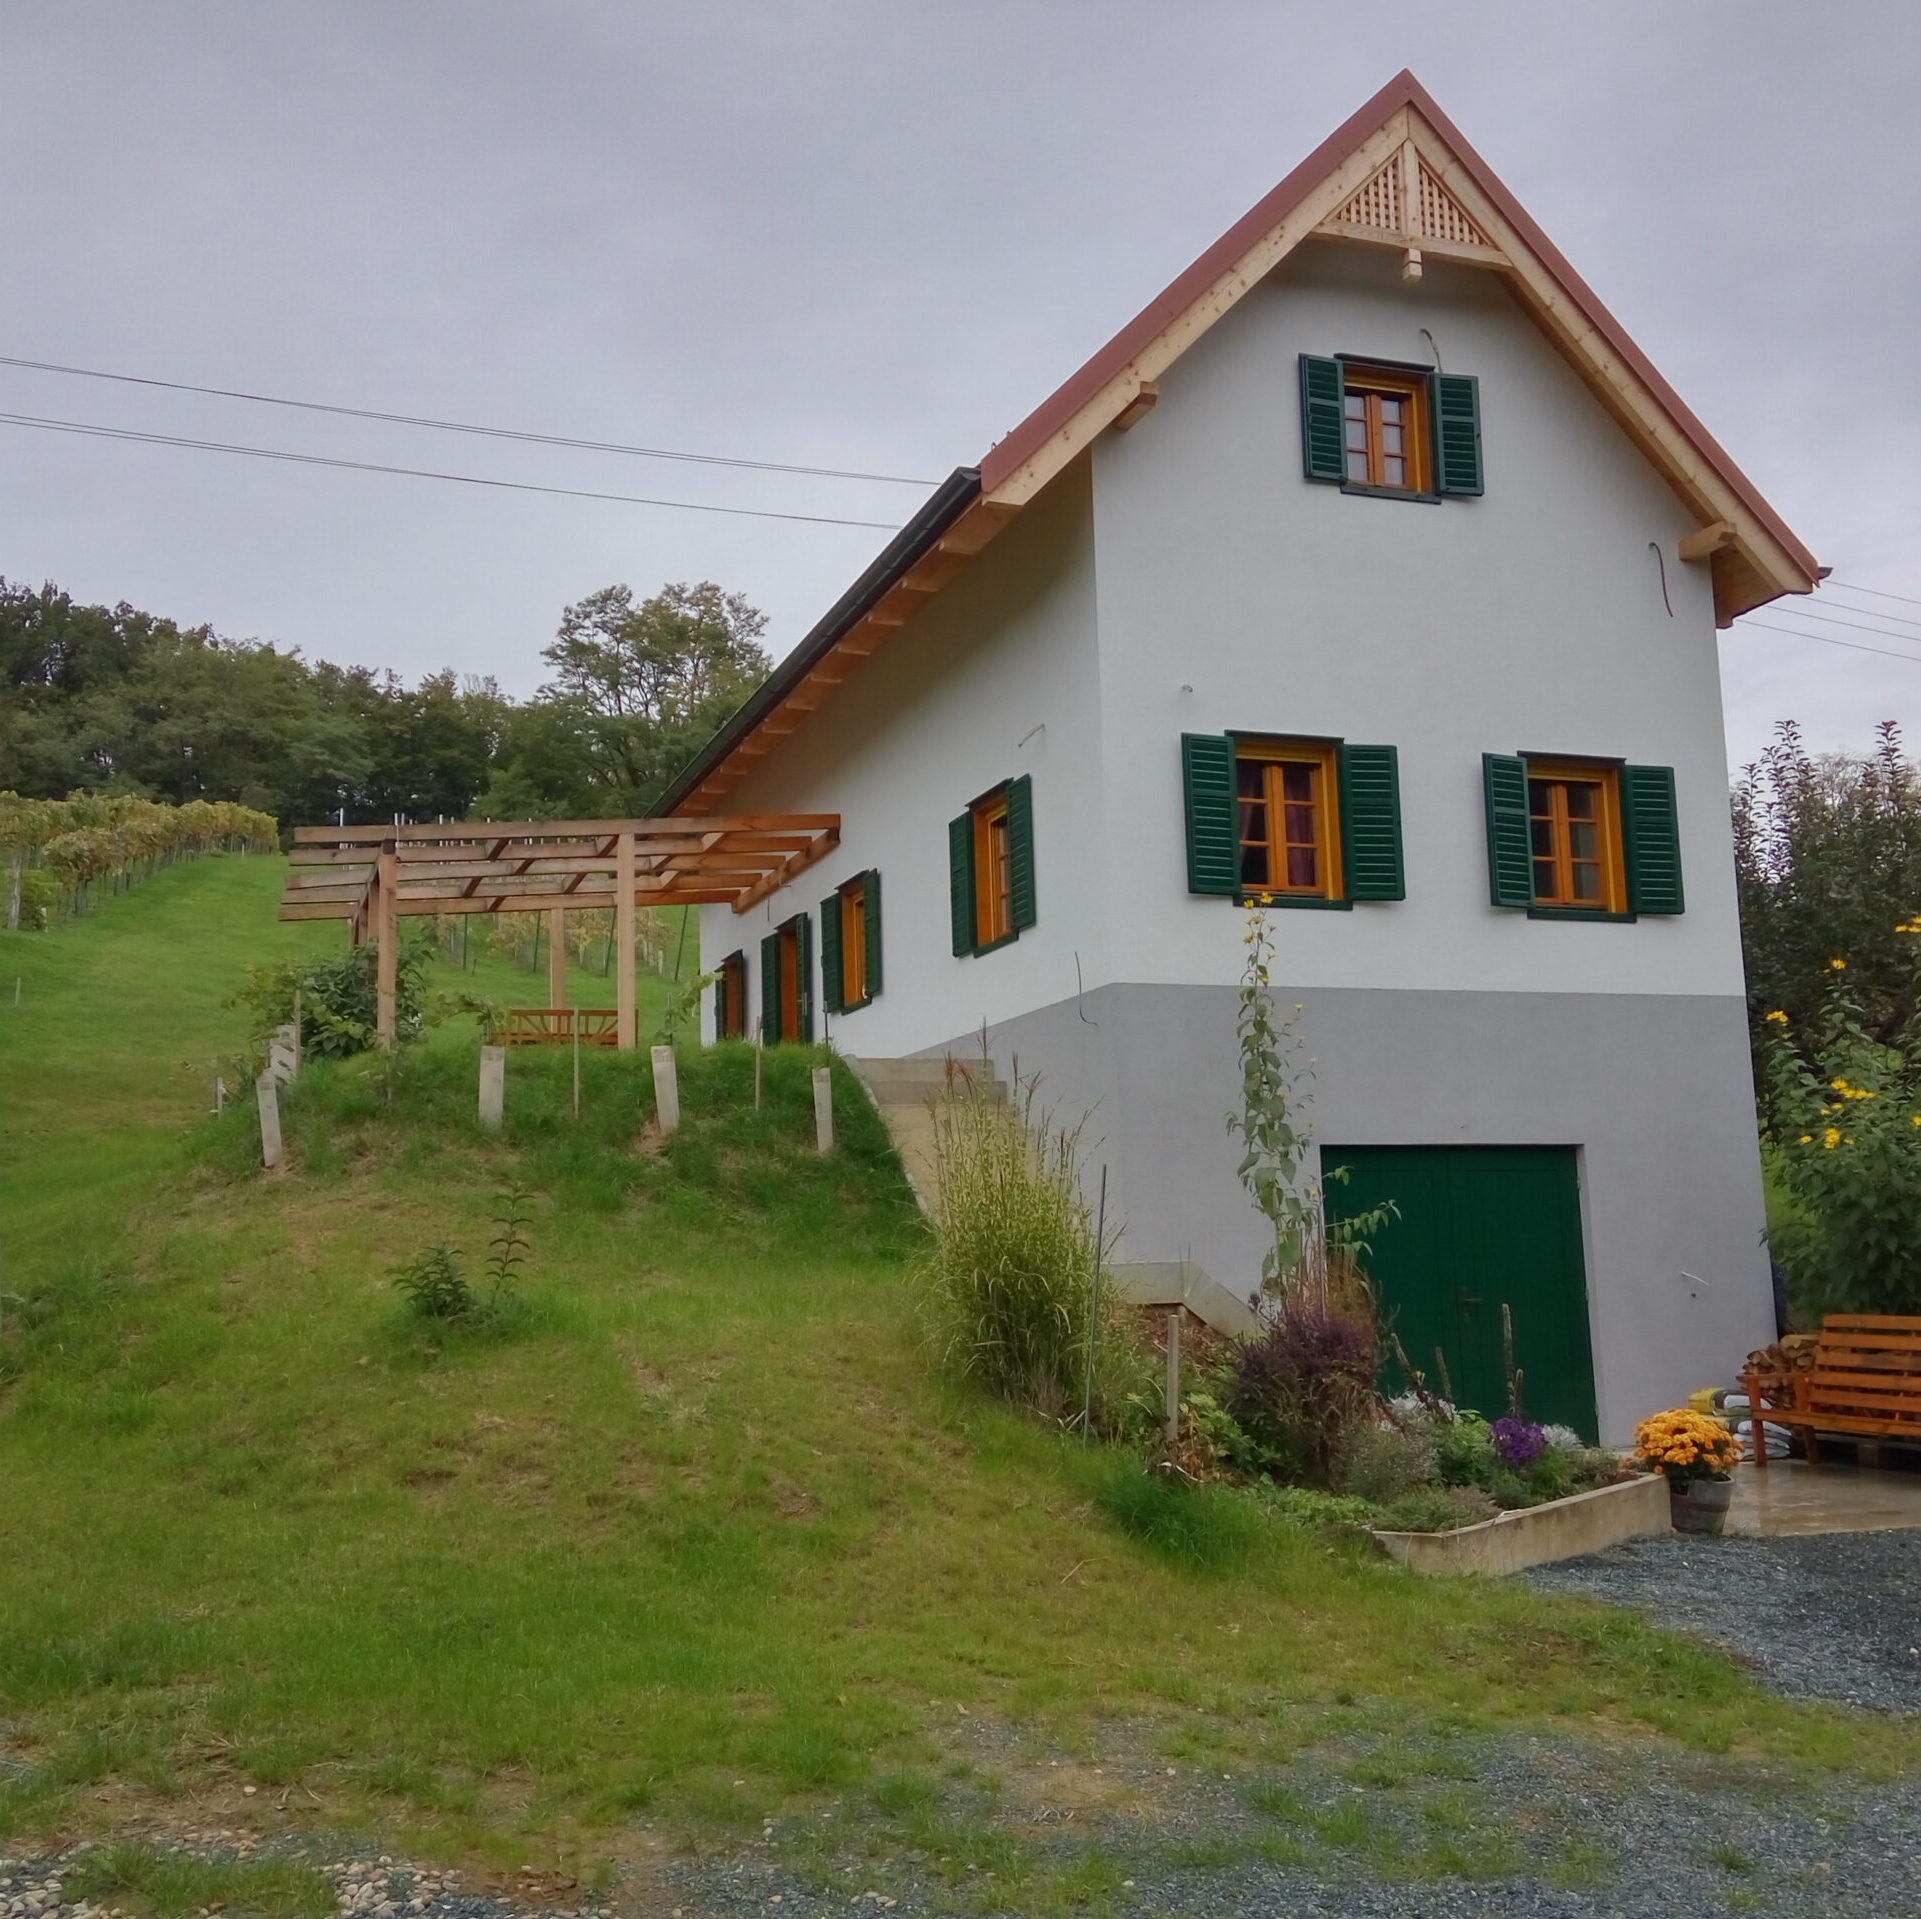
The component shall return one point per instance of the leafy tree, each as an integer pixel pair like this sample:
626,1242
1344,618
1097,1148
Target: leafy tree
638,687
1828,863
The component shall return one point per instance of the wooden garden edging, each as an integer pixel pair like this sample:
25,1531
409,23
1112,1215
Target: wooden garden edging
1861,1377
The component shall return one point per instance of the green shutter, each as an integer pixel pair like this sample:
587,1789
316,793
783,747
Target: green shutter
873,932
960,882
1020,851
1651,832
1207,791
1456,407
1371,865
1323,435
830,973
733,972
804,963
770,989
1510,867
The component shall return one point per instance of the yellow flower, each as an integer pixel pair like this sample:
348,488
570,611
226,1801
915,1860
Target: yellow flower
1839,965
1807,1139
1831,1138
1780,1019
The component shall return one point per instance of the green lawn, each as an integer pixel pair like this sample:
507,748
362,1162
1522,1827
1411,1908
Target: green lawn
703,1538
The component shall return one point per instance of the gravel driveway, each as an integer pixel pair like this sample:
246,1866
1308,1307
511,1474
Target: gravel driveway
1825,1616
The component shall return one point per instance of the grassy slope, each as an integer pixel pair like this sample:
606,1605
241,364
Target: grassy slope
705,1534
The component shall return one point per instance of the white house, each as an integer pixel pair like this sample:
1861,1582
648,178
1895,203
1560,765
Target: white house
1181,637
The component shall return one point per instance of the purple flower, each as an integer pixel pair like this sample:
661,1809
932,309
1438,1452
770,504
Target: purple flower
1519,1443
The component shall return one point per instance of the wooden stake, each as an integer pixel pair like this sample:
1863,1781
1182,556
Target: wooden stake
624,938
823,1109
1172,1392
1094,1311
576,1069
759,1047
557,956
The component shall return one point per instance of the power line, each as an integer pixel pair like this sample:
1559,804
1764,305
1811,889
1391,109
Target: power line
1828,619
461,426
1875,592
423,473
1913,659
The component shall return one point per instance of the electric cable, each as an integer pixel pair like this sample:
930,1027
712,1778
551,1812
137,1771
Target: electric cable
424,473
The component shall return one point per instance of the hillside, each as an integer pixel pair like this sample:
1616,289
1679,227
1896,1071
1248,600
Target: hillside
701,1540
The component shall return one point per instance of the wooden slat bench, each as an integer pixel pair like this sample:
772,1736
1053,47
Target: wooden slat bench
559,1025
1861,1377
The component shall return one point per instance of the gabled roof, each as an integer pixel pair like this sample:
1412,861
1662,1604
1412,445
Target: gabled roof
1397,175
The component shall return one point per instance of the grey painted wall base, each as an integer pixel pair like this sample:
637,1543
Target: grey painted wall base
1654,1090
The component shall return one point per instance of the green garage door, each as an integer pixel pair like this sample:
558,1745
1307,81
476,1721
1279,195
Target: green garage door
1480,1227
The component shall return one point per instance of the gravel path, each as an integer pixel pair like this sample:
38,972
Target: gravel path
1828,1616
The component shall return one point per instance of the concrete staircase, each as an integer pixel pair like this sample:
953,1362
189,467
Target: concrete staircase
907,1091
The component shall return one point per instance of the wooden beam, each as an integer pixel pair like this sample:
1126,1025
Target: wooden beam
795,864
506,834
1462,252
1139,407
624,1024
1706,541
386,949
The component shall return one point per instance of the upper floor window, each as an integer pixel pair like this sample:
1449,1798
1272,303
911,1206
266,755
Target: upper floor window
1574,836
1286,812
1384,429
1375,427
990,862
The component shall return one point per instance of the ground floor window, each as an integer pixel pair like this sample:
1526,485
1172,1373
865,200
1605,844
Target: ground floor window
787,982
730,998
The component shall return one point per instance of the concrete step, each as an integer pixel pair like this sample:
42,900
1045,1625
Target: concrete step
907,1091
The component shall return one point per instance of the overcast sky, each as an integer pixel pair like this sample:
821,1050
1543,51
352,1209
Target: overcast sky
868,234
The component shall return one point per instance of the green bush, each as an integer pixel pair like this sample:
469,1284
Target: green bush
338,998
1437,1509
1309,1507
1381,1462
1843,1120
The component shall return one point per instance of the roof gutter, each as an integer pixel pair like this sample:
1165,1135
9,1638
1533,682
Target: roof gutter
944,506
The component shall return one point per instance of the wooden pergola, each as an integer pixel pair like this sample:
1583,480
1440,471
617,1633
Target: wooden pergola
374,876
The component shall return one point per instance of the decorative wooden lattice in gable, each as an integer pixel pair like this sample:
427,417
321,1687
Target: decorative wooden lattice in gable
1406,204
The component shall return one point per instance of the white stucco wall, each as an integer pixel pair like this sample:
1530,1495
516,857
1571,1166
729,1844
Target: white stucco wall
1528,620
995,678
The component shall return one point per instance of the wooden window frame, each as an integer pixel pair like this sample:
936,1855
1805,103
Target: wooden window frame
852,903
1375,382
1605,777
787,947
1324,756
993,870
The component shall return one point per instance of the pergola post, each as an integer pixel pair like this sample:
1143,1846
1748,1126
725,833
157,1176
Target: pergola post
557,956
624,1022
386,930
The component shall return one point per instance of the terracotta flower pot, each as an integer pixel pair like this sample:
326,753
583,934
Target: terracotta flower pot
1699,1505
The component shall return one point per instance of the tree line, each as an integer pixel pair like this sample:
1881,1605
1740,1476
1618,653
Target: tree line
116,701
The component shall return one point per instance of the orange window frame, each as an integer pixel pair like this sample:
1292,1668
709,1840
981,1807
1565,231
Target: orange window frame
853,943
1556,826
993,870
1284,831
1369,387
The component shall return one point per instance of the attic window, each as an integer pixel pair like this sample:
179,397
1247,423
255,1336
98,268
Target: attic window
1384,431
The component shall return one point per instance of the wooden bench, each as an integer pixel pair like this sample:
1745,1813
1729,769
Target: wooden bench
1861,1376
560,1026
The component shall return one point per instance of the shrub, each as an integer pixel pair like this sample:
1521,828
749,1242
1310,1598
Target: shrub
1844,1123
1303,1387
1437,1509
1519,1444
1009,1277
1464,1450
1307,1506
437,1286
1384,1461
338,998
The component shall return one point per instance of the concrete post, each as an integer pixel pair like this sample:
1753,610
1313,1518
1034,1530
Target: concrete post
267,1092
283,1053
666,1088
823,1109
493,1087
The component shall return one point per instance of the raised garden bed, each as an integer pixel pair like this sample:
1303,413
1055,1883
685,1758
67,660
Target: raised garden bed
1535,1535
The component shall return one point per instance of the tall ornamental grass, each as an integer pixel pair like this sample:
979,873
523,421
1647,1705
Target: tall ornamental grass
1009,1278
